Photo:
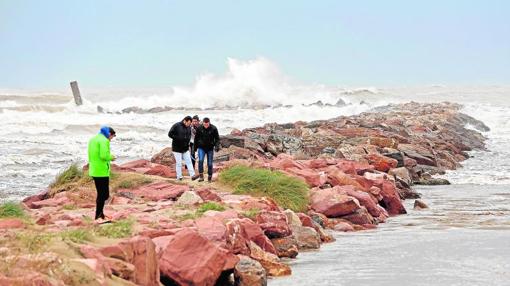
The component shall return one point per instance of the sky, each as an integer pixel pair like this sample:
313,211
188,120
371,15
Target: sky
107,43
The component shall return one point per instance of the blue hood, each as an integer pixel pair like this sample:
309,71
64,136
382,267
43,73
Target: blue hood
105,130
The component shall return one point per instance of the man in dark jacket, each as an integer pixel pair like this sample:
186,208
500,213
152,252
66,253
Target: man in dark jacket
207,140
181,135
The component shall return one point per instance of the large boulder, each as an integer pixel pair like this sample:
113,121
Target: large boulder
391,198
141,252
286,246
241,231
273,223
269,261
306,237
332,203
311,177
190,259
164,157
381,163
360,217
249,272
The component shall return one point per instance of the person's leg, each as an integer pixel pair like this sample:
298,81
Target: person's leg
187,161
103,193
178,164
201,155
210,158
193,156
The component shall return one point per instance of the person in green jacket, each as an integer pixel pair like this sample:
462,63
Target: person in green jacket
99,167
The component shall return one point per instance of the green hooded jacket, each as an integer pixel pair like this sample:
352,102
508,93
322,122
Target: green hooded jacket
99,156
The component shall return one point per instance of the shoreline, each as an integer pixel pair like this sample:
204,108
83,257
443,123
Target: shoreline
357,169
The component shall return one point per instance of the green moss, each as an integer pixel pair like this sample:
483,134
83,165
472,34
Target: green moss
288,192
69,175
209,206
117,229
11,209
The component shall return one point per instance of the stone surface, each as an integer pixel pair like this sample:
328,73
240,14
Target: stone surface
333,204
249,272
306,237
189,198
273,223
286,246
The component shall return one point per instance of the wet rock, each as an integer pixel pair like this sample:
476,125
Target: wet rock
333,204
270,262
273,223
391,198
432,182
249,272
343,227
419,204
286,246
306,237
360,217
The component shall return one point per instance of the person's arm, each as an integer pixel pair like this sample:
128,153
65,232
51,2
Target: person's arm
104,150
216,140
172,131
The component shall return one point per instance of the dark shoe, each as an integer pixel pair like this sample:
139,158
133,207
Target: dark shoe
179,179
195,177
201,176
209,179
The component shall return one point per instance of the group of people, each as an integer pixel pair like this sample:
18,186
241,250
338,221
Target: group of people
189,136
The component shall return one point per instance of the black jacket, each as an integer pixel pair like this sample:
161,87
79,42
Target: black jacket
207,138
181,136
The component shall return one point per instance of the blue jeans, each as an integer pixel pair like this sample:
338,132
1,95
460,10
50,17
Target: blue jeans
201,157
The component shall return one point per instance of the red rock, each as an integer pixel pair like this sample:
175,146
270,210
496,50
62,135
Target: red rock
136,164
381,163
189,259
211,228
333,204
339,178
153,233
305,220
316,163
286,246
250,203
208,195
159,191
270,262
360,217
273,223
383,142
409,163
365,199
306,237
53,202
35,198
240,231
353,167
141,252
343,226
223,216
284,162
28,279
311,177
391,198
10,223
161,170
44,219
117,200
249,272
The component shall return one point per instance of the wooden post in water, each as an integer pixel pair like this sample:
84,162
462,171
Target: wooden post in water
76,93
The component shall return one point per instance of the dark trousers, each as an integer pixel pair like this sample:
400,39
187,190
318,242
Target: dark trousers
201,156
192,151
103,193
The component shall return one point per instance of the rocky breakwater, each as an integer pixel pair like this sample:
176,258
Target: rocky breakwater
281,190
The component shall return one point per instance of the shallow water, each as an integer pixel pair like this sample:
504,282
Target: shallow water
462,239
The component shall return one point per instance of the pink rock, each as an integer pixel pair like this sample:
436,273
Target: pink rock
273,223
189,259
161,170
208,195
211,228
241,231
391,198
312,178
338,178
117,200
305,220
360,217
343,226
10,223
44,219
159,191
332,203
50,203
381,163
35,198
137,164
249,203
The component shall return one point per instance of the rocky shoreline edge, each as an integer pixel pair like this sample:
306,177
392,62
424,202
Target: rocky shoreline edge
278,190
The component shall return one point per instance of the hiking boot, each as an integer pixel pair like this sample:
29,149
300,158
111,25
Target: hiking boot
201,176
195,177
